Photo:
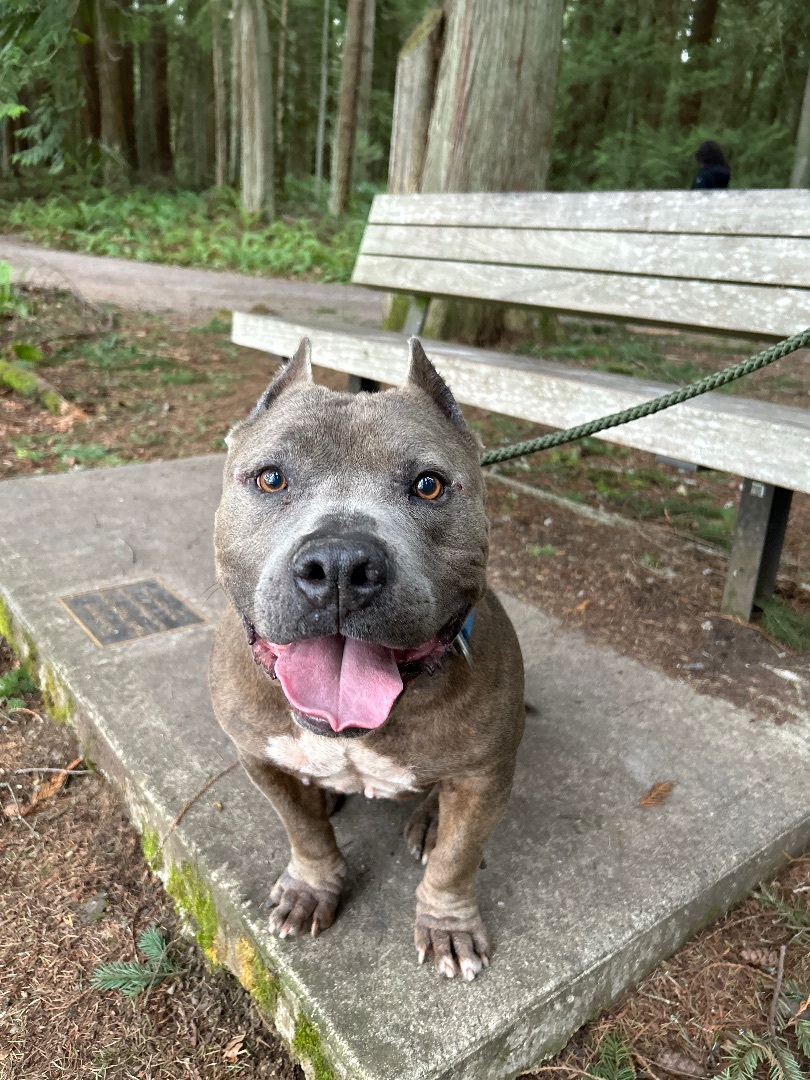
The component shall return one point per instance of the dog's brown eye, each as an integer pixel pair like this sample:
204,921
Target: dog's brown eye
428,486
271,480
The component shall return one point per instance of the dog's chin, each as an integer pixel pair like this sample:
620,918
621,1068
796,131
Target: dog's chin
318,726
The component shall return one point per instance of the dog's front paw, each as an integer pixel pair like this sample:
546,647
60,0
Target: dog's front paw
302,908
458,946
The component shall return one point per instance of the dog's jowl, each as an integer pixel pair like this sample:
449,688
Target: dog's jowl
361,650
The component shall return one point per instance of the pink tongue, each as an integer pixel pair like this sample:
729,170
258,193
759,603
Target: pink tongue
346,682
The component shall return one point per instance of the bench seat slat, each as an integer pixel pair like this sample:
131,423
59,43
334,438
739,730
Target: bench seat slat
748,438
753,260
783,212
748,309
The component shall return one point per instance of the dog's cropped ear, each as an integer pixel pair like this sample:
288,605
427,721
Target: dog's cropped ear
423,374
297,370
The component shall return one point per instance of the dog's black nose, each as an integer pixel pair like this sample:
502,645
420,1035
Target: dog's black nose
345,572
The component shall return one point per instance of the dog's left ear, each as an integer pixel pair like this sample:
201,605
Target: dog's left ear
423,374
297,370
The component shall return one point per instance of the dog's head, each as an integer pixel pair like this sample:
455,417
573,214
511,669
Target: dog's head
351,537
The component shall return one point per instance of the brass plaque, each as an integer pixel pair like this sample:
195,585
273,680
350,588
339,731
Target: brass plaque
128,612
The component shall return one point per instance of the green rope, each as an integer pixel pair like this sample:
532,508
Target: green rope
647,408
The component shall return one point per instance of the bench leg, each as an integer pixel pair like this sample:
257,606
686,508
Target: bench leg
359,382
761,523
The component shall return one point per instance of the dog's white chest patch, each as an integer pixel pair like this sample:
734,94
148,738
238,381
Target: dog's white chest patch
340,764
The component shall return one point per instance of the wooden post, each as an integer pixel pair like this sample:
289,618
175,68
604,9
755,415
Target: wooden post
758,538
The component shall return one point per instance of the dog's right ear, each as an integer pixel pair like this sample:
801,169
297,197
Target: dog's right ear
297,370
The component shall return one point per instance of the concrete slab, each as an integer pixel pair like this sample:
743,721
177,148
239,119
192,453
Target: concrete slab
584,890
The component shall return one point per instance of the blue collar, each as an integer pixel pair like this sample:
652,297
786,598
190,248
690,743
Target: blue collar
461,642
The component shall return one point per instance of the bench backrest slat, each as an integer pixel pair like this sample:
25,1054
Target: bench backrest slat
760,212
752,260
747,309
737,261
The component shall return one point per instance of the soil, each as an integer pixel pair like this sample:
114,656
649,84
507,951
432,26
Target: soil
76,893
157,386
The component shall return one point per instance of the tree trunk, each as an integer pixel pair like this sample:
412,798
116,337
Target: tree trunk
252,42
108,55
85,23
362,138
417,68
162,109
281,74
347,108
800,176
147,143
220,130
127,73
699,37
489,132
321,133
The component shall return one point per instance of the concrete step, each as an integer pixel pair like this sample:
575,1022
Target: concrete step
583,890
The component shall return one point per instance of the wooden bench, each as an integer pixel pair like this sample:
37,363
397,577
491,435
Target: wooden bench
738,262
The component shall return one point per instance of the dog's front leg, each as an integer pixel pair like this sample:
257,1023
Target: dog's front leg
307,893
448,924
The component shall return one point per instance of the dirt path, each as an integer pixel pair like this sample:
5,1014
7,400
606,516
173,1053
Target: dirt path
154,287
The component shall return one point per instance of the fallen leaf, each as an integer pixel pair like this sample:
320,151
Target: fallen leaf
234,1048
579,608
657,794
675,1062
46,790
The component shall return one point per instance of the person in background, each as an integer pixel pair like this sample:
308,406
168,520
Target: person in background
714,170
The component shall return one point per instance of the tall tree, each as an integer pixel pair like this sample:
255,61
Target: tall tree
220,125
800,176
281,74
704,14
108,56
488,132
347,108
320,137
362,141
255,83
85,24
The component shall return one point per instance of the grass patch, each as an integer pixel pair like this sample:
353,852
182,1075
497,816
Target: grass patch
541,550
188,229
786,624
56,451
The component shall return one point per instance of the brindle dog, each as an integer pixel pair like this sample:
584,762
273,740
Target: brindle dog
351,542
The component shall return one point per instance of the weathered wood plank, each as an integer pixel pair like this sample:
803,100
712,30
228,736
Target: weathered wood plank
750,259
749,438
749,309
764,212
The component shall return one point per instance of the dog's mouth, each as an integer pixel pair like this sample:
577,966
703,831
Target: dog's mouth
339,685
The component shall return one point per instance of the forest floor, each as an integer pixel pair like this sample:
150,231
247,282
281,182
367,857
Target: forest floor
643,575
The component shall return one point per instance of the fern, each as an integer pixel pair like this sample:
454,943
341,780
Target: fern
803,1036
796,916
130,977
614,1061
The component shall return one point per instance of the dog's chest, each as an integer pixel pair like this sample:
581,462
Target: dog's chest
340,764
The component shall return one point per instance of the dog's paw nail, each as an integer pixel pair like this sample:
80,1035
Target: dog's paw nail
421,956
469,969
448,968
485,961
316,928
425,859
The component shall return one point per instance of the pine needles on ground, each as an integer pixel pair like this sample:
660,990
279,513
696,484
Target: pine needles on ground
130,977
795,915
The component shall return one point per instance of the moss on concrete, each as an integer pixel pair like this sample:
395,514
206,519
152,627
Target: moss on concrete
307,1046
152,848
196,904
6,624
55,697
262,985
